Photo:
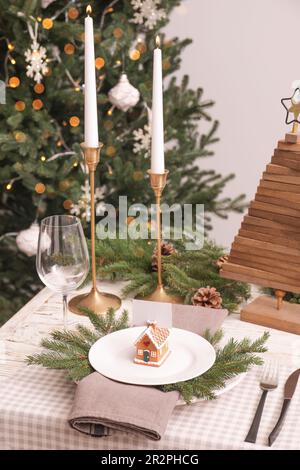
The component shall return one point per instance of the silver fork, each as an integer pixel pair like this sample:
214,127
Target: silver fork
269,382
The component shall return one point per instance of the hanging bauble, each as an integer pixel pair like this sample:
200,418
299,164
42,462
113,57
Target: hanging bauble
36,55
124,96
36,62
147,13
27,240
46,3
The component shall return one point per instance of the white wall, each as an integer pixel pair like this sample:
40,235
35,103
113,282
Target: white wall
245,55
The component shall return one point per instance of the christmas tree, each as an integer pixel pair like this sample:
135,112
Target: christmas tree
41,165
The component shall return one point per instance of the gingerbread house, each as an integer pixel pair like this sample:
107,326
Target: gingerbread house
152,346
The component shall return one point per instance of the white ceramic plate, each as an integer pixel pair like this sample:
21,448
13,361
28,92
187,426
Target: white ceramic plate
112,356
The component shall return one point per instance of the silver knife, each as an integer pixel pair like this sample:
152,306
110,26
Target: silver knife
289,389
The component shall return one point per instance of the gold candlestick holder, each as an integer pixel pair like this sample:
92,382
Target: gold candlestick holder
97,301
158,183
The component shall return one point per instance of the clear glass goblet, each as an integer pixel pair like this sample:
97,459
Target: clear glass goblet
62,260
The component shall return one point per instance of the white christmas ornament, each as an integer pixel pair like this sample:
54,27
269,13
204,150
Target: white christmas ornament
36,58
147,12
124,96
27,240
82,208
46,3
142,138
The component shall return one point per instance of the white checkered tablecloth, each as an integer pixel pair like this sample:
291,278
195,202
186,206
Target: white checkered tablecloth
34,407
35,402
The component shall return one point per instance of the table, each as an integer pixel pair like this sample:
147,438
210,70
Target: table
220,424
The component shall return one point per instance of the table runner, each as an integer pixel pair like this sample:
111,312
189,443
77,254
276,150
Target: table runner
35,404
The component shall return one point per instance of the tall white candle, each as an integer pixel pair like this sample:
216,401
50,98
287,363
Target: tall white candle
157,143
91,137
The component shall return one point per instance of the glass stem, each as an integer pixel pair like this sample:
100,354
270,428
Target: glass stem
65,310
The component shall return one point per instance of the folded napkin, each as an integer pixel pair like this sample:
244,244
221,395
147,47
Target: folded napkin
101,404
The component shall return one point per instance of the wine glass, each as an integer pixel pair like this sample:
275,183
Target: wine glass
62,260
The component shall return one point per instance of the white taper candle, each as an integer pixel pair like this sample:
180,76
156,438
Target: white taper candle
157,143
91,137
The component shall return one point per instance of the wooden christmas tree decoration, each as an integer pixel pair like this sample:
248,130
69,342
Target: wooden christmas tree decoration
266,250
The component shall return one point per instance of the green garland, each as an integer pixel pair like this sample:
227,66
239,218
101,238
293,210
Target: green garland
69,350
183,272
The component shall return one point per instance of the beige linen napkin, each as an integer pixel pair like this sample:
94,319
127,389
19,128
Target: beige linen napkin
101,404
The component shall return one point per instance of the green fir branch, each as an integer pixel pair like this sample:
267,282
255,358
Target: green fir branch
215,338
142,284
233,359
107,323
183,272
69,349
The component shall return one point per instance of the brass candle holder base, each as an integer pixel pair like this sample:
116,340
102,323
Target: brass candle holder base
158,182
97,301
160,295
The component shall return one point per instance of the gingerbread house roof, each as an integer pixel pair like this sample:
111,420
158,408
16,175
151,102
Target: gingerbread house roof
157,335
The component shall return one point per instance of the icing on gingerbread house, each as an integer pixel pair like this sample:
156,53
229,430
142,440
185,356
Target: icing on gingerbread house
152,347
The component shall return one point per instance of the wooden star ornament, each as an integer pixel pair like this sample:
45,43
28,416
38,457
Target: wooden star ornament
292,107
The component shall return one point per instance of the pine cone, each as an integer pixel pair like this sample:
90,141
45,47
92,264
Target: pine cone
167,249
207,297
220,261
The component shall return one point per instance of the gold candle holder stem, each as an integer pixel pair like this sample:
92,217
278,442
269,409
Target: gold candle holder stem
158,183
97,301
295,128
158,225
93,241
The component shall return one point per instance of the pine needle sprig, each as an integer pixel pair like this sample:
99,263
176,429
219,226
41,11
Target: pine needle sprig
77,341
107,323
54,360
65,347
140,284
120,267
87,333
257,346
69,349
232,359
178,279
215,338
